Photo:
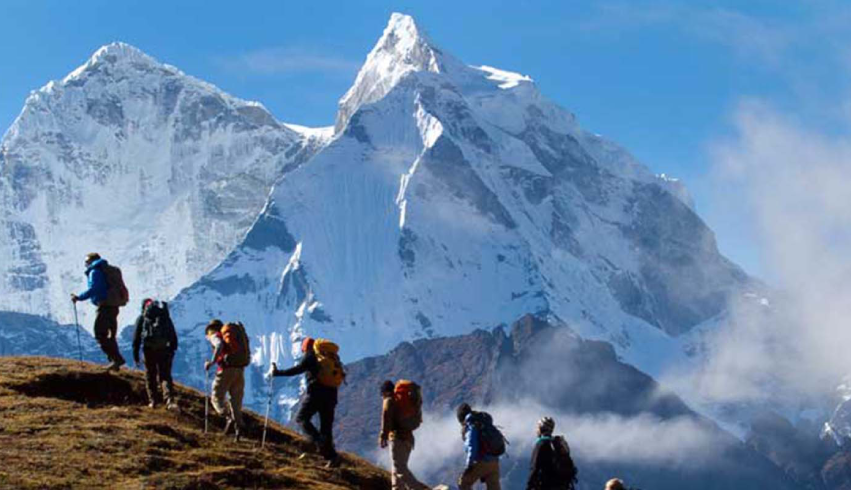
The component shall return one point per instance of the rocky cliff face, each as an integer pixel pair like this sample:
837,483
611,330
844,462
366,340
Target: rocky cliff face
159,172
536,369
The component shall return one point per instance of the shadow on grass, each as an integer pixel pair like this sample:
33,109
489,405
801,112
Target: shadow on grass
92,389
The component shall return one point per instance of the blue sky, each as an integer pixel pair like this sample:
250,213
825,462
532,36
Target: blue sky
662,78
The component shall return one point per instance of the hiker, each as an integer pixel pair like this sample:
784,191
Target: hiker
615,484
401,415
552,467
232,354
108,293
156,335
324,374
484,445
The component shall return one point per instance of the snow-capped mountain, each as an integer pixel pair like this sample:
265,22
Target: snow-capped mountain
158,171
31,335
454,197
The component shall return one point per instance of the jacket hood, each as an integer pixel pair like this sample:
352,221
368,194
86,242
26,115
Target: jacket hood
95,264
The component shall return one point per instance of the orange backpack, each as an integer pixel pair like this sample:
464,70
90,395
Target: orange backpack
331,370
408,399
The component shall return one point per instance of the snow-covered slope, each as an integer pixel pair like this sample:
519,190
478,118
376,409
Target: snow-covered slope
455,197
159,172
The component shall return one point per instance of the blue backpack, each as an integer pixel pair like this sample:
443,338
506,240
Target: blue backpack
493,443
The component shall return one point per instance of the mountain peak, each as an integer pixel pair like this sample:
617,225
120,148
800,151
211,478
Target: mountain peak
401,49
116,54
402,35
120,51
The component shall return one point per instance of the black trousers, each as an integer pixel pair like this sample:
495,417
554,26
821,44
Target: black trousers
158,372
322,402
106,331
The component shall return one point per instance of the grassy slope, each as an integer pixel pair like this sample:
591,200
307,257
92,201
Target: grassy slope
67,426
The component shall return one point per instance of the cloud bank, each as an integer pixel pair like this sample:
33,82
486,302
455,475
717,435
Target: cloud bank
286,60
598,438
791,182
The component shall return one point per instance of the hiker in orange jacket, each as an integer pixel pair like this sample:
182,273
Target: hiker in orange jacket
400,439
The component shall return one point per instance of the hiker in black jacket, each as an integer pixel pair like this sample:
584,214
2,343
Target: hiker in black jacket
318,399
550,470
156,335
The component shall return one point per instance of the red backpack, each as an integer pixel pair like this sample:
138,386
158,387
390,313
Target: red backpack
408,400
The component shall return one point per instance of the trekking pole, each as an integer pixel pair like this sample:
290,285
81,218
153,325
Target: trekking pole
77,323
206,399
268,406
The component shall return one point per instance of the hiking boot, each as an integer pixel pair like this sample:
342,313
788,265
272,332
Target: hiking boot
113,366
171,405
152,405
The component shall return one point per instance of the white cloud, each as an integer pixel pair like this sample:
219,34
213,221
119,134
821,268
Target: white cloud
595,438
791,181
284,60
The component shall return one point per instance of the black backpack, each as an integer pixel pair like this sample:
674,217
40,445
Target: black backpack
492,441
562,462
157,327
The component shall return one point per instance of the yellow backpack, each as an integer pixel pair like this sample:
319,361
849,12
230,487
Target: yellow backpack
331,372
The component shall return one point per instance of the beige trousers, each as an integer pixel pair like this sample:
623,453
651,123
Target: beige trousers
487,471
400,475
229,381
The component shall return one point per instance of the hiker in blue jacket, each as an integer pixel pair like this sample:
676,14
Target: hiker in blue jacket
481,465
106,321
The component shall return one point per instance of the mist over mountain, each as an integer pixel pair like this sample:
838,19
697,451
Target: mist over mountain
617,420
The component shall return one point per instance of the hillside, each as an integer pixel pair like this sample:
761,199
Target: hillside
70,426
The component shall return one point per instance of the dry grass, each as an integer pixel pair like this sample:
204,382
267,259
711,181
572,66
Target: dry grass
67,426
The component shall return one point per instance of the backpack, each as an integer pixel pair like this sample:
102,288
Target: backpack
562,462
408,401
238,351
157,327
492,441
116,291
331,372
